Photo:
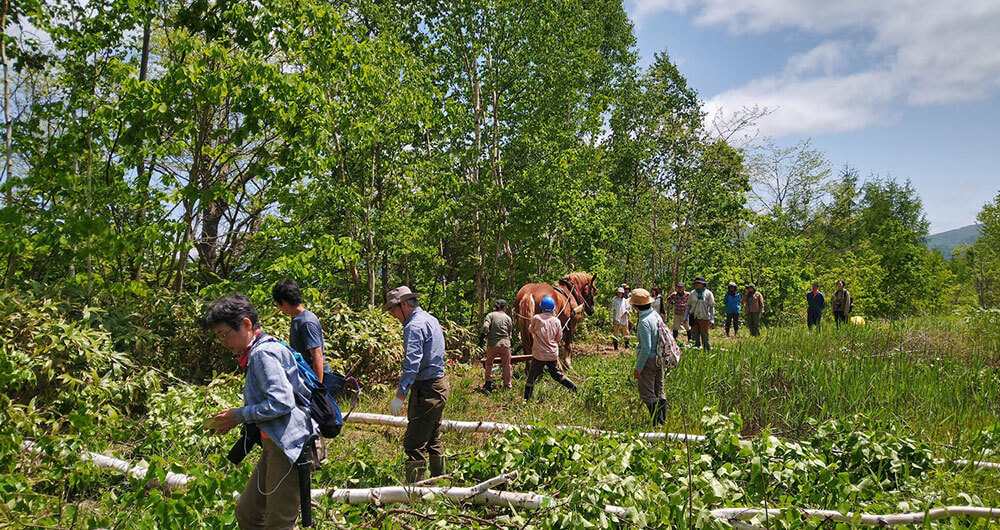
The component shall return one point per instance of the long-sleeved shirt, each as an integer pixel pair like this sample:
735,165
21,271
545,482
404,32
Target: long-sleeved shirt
842,300
423,342
679,301
755,302
647,335
497,327
702,305
272,382
620,308
816,303
546,332
732,302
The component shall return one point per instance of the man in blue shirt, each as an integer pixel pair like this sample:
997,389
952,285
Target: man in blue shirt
422,378
732,301
305,334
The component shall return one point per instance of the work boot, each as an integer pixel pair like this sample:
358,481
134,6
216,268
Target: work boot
614,342
437,465
661,412
415,470
527,391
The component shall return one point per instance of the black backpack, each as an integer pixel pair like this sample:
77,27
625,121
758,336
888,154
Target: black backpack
321,406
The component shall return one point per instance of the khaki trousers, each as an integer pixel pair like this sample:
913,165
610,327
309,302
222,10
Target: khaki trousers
424,411
270,500
504,353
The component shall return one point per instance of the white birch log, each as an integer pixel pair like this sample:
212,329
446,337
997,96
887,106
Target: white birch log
867,519
172,480
489,426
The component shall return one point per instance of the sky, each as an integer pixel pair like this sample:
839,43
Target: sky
908,89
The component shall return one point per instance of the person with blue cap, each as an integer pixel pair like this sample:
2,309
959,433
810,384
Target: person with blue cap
546,332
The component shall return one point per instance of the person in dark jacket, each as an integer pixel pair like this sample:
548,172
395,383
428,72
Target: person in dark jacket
817,302
841,304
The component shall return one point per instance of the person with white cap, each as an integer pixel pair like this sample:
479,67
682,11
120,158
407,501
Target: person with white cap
423,380
619,317
701,305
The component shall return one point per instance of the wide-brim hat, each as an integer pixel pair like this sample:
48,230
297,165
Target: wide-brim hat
620,290
398,296
641,297
701,280
751,286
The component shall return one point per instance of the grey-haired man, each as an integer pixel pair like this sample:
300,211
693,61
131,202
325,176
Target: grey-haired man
423,379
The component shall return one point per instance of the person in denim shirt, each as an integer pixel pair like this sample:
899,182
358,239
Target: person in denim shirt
648,370
271,496
423,377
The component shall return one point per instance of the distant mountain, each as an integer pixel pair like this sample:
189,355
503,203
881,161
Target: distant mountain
947,241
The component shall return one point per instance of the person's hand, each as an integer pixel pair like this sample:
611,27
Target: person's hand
224,421
396,406
637,374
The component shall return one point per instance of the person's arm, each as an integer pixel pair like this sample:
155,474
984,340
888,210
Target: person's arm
558,331
711,307
272,381
312,335
413,345
642,348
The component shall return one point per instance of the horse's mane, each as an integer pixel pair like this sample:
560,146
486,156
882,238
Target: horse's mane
579,278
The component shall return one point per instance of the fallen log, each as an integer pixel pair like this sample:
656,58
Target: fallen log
171,481
489,426
513,360
734,515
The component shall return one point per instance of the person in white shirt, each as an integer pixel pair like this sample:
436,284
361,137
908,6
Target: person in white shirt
620,308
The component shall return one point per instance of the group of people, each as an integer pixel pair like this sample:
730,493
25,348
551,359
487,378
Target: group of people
274,385
692,311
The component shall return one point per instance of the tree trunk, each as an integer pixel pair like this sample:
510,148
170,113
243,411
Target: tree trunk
141,175
8,138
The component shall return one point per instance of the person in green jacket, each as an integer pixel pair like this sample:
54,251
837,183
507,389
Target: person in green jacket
497,327
648,364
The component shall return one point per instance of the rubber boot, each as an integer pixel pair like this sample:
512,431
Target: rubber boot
527,391
614,342
568,384
676,332
626,344
661,413
415,470
488,386
651,407
437,465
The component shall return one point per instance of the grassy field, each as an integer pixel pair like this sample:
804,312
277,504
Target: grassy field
849,419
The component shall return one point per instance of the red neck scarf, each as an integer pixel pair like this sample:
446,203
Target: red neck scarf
246,353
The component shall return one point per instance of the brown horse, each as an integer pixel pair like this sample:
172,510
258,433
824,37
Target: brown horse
573,294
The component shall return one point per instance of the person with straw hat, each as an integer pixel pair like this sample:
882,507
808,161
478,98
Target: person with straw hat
423,380
648,370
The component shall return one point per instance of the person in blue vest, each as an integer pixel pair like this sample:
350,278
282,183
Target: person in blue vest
732,301
816,302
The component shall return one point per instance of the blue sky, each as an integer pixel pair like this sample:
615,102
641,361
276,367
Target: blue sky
902,88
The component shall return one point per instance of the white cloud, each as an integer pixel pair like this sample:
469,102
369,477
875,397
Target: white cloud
910,52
